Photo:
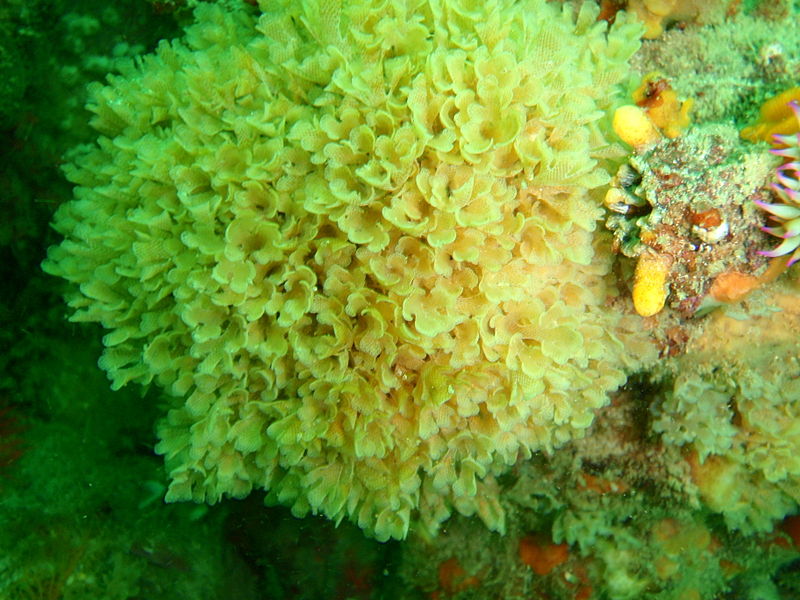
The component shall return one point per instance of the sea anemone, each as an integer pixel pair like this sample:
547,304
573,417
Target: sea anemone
787,213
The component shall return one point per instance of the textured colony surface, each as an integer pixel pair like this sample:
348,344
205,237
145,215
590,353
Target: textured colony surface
356,246
740,421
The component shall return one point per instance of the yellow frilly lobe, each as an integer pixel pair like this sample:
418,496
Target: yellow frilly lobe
355,242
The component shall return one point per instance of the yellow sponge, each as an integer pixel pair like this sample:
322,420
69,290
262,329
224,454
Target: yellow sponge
650,283
632,124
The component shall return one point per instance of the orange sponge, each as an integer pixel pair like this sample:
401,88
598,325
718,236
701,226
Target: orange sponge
661,103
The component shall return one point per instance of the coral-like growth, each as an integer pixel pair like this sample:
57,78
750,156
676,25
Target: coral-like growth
740,421
356,244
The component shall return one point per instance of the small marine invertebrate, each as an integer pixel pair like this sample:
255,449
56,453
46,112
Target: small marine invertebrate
787,214
787,189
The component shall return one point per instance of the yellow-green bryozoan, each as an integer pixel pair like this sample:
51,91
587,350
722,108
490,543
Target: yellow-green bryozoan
355,243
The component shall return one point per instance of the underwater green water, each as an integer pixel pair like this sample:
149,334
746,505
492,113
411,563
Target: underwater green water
684,487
